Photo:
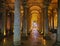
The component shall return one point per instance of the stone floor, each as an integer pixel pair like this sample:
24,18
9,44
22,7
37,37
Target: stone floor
35,39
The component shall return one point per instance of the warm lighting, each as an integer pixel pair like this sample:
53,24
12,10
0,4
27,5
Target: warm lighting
4,32
8,23
34,26
51,23
34,17
35,8
44,42
54,1
34,11
55,21
34,21
4,40
22,11
42,32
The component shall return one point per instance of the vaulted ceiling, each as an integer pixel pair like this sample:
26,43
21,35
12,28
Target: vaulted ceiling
34,4
11,2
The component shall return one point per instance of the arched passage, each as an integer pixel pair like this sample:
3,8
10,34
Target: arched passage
35,17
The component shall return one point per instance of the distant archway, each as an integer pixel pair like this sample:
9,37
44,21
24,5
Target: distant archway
35,17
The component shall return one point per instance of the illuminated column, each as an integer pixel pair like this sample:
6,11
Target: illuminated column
17,33
3,15
4,23
25,20
52,17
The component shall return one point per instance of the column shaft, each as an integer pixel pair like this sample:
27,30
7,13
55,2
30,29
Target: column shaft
25,21
46,21
17,33
58,31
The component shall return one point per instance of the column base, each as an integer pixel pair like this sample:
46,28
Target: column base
46,37
24,36
17,43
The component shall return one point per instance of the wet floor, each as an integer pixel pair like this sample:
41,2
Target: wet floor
7,41
35,39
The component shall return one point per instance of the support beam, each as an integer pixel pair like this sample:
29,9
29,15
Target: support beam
17,32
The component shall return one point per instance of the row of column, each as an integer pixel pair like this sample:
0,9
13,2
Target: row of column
17,32
3,19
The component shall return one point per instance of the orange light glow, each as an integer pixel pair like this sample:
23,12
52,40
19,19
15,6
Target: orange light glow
4,32
4,40
33,19
44,42
55,21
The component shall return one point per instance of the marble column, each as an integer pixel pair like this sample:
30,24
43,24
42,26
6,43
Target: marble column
58,30
4,23
25,20
17,32
3,15
28,21
46,21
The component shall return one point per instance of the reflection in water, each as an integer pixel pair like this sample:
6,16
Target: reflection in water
34,37
44,42
34,33
4,40
4,32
